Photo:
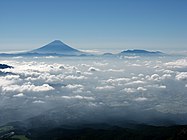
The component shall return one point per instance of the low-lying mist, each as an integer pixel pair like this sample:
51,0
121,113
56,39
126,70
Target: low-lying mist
81,90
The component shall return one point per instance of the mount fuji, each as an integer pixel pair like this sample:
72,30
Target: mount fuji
57,47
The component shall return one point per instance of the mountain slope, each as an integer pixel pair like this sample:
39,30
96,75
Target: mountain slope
57,47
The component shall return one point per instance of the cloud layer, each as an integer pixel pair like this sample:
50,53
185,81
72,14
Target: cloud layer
111,88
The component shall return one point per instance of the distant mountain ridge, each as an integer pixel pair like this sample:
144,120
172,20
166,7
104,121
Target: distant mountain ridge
58,48
141,52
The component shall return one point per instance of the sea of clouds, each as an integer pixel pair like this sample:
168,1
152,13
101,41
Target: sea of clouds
149,90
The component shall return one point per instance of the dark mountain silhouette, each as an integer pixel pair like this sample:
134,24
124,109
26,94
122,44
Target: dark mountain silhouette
93,132
4,66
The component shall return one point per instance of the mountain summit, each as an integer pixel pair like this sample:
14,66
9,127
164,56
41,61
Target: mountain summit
57,47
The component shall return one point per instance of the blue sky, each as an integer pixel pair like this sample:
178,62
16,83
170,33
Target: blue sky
94,24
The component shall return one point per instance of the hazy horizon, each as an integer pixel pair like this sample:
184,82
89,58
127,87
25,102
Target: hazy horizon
102,50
